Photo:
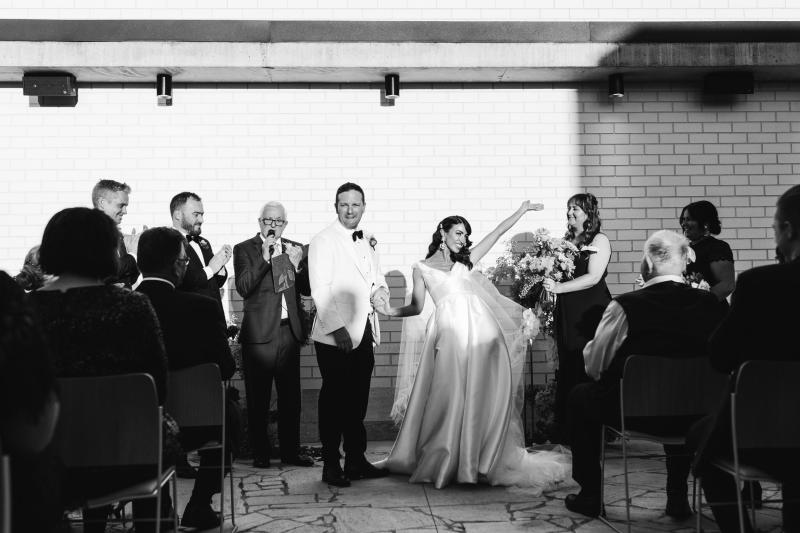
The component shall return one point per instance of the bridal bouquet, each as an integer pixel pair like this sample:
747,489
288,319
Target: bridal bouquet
528,264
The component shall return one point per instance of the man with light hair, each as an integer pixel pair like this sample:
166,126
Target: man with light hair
666,317
111,197
271,274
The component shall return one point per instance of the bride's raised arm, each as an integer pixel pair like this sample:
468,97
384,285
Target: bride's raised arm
480,249
417,299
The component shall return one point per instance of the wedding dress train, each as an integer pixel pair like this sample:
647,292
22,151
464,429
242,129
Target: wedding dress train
461,420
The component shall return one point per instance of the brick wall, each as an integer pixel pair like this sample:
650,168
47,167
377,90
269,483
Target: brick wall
406,9
473,150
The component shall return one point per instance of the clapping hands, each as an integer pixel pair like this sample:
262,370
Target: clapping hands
295,254
221,258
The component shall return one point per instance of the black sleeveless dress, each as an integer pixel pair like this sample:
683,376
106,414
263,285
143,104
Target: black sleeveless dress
577,315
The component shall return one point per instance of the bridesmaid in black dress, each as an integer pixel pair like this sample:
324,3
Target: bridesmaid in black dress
713,257
581,301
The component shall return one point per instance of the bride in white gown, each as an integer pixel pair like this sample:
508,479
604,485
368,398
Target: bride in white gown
459,385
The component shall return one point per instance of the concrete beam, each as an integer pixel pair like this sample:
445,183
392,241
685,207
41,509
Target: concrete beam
421,52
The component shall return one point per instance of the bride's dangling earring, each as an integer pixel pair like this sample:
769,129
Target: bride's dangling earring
441,245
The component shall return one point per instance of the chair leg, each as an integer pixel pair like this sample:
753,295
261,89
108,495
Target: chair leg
627,488
158,508
175,501
694,494
233,500
697,497
602,467
739,503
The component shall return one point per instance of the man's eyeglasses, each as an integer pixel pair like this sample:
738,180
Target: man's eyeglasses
272,222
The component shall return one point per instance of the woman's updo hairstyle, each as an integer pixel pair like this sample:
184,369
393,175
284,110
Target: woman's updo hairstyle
447,224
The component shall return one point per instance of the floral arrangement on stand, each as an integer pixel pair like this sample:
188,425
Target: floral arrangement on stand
527,264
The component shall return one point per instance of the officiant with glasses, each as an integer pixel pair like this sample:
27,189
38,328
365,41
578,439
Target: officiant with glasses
271,274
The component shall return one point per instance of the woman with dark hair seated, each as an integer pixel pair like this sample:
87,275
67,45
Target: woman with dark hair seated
581,301
95,329
713,257
28,413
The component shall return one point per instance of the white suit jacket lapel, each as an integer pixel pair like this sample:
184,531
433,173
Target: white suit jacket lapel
349,245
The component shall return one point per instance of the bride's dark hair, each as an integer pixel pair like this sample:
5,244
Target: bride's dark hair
447,224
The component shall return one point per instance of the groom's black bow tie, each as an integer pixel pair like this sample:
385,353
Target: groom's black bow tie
358,235
195,238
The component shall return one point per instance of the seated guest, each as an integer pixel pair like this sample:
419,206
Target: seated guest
31,276
762,324
194,332
95,329
665,318
29,409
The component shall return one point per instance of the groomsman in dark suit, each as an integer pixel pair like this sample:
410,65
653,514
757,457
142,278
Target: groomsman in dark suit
271,273
193,328
206,273
667,318
762,324
111,197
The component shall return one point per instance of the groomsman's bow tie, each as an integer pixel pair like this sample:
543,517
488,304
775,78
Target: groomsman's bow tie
358,235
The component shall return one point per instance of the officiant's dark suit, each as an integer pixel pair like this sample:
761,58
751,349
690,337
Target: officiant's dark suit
664,318
762,324
271,336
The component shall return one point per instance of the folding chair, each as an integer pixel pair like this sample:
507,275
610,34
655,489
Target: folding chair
655,386
196,399
759,384
114,421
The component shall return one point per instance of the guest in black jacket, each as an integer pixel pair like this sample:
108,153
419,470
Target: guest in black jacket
665,318
194,332
205,273
762,324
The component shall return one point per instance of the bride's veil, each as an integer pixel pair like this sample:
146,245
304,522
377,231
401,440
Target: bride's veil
412,340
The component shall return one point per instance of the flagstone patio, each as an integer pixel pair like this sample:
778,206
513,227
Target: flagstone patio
293,499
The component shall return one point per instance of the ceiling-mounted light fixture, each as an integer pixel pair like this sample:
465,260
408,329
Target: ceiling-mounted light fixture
164,89
616,87
392,86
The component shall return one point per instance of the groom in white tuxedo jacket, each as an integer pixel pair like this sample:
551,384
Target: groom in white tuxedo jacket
346,284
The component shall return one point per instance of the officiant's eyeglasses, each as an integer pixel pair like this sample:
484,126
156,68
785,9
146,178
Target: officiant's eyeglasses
273,222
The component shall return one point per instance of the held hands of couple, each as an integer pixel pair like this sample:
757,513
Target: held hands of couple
380,301
220,258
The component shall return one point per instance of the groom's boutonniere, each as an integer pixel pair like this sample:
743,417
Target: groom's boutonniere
203,243
373,242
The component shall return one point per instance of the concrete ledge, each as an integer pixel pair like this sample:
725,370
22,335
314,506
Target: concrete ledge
197,52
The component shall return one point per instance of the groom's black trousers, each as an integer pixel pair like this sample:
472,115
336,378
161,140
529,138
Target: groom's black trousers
343,398
589,406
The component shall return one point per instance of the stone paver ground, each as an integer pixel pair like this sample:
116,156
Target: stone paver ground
292,499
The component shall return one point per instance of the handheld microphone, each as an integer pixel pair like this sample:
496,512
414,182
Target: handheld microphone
271,233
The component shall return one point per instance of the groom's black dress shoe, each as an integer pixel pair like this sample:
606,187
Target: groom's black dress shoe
333,475
363,470
585,505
